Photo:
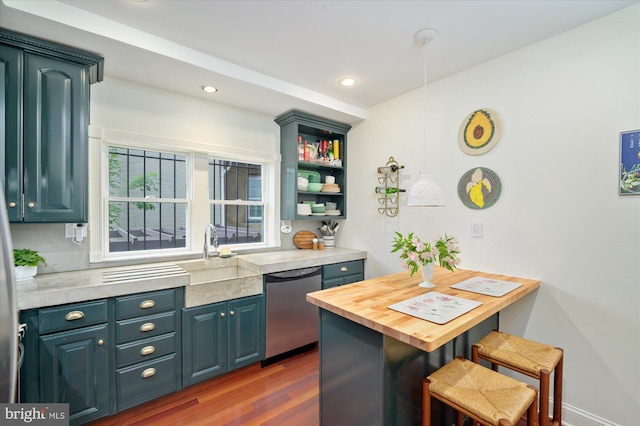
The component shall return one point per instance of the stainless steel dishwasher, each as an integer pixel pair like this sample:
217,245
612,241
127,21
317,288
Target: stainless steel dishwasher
292,322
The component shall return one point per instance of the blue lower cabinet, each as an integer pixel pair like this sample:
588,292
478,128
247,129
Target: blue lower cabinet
338,274
81,358
220,337
147,338
145,381
68,358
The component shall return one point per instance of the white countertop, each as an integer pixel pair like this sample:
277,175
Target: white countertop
78,286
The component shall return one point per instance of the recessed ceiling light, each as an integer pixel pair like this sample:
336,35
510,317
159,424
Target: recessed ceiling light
209,89
348,81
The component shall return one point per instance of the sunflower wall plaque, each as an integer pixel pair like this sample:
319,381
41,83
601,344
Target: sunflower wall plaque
479,132
479,188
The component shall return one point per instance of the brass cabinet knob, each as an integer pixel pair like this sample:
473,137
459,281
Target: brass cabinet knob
147,350
344,269
147,304
12,204
221,314
74,315
149,372
31,205
232,313
100,342
148,326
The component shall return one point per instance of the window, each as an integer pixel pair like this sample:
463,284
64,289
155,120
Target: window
147,201
154,197
236,201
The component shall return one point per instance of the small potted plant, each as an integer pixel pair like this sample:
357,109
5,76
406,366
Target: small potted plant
26,262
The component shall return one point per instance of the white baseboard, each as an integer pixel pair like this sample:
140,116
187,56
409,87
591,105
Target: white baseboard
572,416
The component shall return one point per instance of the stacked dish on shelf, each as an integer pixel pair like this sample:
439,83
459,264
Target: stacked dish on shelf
318,210
333,212
303,209
330,187
303,183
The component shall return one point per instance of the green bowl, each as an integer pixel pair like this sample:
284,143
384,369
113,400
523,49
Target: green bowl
315,187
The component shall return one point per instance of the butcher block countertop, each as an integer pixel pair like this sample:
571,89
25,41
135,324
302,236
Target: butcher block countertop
366,303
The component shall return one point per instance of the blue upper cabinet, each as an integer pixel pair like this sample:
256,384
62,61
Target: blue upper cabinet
45,94
313,148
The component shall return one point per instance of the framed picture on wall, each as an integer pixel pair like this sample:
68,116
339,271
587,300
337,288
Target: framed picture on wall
629,163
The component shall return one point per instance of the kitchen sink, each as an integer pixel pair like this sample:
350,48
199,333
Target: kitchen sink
218,279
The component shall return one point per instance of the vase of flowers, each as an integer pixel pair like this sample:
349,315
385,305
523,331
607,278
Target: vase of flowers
416,253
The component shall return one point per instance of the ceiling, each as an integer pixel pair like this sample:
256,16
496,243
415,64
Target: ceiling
272,56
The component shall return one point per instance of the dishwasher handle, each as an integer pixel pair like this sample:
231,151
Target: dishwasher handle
294,274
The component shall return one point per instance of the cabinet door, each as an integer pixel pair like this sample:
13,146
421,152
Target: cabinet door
11,64
204,352
74,369
353,278
246,331
56,118
332,282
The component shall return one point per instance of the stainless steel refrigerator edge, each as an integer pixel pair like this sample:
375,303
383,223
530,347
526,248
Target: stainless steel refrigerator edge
8,311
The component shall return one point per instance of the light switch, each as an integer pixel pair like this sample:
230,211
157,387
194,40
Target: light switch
476,229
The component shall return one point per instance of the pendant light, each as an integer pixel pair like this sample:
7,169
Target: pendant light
425,192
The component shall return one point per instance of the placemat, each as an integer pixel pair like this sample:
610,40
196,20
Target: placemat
487,286
435,307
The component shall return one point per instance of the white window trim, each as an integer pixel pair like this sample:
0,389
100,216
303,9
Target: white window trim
198,154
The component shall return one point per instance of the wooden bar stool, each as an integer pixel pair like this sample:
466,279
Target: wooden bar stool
487,397
534,359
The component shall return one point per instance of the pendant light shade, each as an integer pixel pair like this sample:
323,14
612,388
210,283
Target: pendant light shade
425,192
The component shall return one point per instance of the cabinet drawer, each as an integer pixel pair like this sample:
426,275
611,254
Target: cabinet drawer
146,381
145,350
68,317
340,270
145,304
144,327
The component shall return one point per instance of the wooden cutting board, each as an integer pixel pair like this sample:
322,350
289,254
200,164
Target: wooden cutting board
303,239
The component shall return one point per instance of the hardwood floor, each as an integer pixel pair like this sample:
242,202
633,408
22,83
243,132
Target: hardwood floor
284,393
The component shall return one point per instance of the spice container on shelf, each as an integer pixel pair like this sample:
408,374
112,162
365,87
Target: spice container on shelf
300,149
307,151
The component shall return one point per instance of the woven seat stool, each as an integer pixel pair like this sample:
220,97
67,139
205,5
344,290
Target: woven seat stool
527,357
487,397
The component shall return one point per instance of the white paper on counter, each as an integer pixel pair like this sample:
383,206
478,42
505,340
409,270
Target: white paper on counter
487,286
435,307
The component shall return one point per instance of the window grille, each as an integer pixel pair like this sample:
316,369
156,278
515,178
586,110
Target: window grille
147,202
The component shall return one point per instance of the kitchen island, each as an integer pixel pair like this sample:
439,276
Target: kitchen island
373,359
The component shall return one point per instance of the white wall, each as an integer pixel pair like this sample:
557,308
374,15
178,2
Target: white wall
563,103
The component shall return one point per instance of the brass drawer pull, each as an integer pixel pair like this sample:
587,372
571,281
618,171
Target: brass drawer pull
147,304
148,326
221,314
149,372
74,315
147,350
31,205
100,342
232,313
344,269
12,204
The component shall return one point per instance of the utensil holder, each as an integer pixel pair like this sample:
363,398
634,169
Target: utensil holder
329,241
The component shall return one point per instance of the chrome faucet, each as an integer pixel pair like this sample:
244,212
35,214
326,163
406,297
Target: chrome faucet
205,250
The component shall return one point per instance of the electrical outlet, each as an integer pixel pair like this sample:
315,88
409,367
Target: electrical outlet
476,229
